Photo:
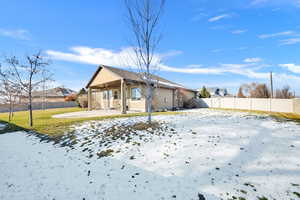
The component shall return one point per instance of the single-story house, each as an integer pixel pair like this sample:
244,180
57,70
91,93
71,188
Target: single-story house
114,88
57,94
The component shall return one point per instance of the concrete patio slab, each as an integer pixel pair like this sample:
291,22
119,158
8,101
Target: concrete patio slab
88,114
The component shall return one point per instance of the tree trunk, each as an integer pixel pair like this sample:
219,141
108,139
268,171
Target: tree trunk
149,104
10,109
30,109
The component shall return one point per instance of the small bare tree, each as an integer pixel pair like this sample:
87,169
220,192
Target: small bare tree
30,75
9,90
144,17
256,90
284,93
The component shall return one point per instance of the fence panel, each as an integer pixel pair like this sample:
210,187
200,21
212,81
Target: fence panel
273,105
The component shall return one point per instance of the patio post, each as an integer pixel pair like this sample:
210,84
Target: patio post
89,99
123,97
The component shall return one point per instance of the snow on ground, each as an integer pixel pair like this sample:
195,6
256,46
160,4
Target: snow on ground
205,154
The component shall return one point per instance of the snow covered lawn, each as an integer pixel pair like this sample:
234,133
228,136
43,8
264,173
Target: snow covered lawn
205,154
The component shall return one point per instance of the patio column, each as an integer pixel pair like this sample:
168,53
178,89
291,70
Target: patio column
123,97
89,99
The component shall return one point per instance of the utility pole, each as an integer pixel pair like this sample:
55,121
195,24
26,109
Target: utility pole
271,83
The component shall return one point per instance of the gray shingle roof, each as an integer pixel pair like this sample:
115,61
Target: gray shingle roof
134,76
54,92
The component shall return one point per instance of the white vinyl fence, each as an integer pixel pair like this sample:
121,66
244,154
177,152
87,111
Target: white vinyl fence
270,105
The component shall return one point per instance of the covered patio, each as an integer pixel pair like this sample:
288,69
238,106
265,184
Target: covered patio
110,95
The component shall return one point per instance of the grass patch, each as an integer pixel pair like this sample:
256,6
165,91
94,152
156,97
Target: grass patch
45,124
105,153
144,126
278,115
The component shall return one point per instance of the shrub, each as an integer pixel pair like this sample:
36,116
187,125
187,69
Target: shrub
204,93
82,101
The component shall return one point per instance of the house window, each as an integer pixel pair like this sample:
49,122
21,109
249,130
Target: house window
107,94
116,95
136,94
165,100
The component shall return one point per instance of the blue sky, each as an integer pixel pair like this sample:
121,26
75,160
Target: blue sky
221,43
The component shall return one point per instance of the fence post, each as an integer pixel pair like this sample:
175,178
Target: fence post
234,102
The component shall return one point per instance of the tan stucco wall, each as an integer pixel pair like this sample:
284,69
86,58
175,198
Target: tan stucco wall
182,96
96,99
104,76
135,105
163,99
187,94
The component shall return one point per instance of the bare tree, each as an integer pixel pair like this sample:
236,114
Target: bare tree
241,93
255,90
284,93
260,91
9,90
30,75
144,17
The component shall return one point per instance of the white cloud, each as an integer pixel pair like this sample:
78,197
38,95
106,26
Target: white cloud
291,67
124,58
290,41
253,60
284,33
239,31
20,34
95,56
219,17
194,66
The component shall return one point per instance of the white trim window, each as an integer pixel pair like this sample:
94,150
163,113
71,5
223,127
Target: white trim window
136,94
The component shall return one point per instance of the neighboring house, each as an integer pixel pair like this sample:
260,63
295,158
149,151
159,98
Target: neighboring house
113,88
57,94
218,92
